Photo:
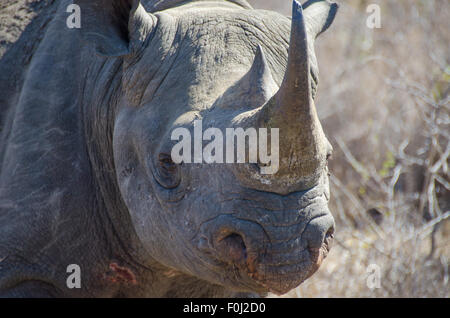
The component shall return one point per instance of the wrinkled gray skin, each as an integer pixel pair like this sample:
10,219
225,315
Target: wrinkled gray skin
85,177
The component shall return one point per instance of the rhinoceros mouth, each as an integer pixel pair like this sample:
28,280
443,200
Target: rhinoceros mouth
281,278
251,258
266,273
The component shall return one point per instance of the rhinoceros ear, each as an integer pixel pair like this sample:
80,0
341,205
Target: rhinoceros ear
114,27
319,15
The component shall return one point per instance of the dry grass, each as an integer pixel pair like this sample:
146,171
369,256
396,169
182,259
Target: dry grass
384,103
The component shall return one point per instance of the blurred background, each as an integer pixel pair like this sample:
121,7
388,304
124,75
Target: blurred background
383,100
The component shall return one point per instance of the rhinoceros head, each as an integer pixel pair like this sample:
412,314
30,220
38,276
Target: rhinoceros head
223,66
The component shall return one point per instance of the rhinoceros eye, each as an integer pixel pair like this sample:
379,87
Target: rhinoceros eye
167,172
165,160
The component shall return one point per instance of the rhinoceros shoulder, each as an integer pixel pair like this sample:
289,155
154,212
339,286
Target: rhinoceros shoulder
22,27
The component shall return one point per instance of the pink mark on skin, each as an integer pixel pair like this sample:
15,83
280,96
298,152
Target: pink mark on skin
121,274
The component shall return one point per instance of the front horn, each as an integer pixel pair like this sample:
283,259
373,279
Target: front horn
303,146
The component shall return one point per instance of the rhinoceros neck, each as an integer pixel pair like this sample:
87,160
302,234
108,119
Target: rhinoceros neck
100,92
56,184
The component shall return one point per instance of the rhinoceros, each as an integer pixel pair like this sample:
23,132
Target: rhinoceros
87,182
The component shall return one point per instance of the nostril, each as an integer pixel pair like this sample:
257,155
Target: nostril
330,233
235,240
232,249
329,236
319,231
